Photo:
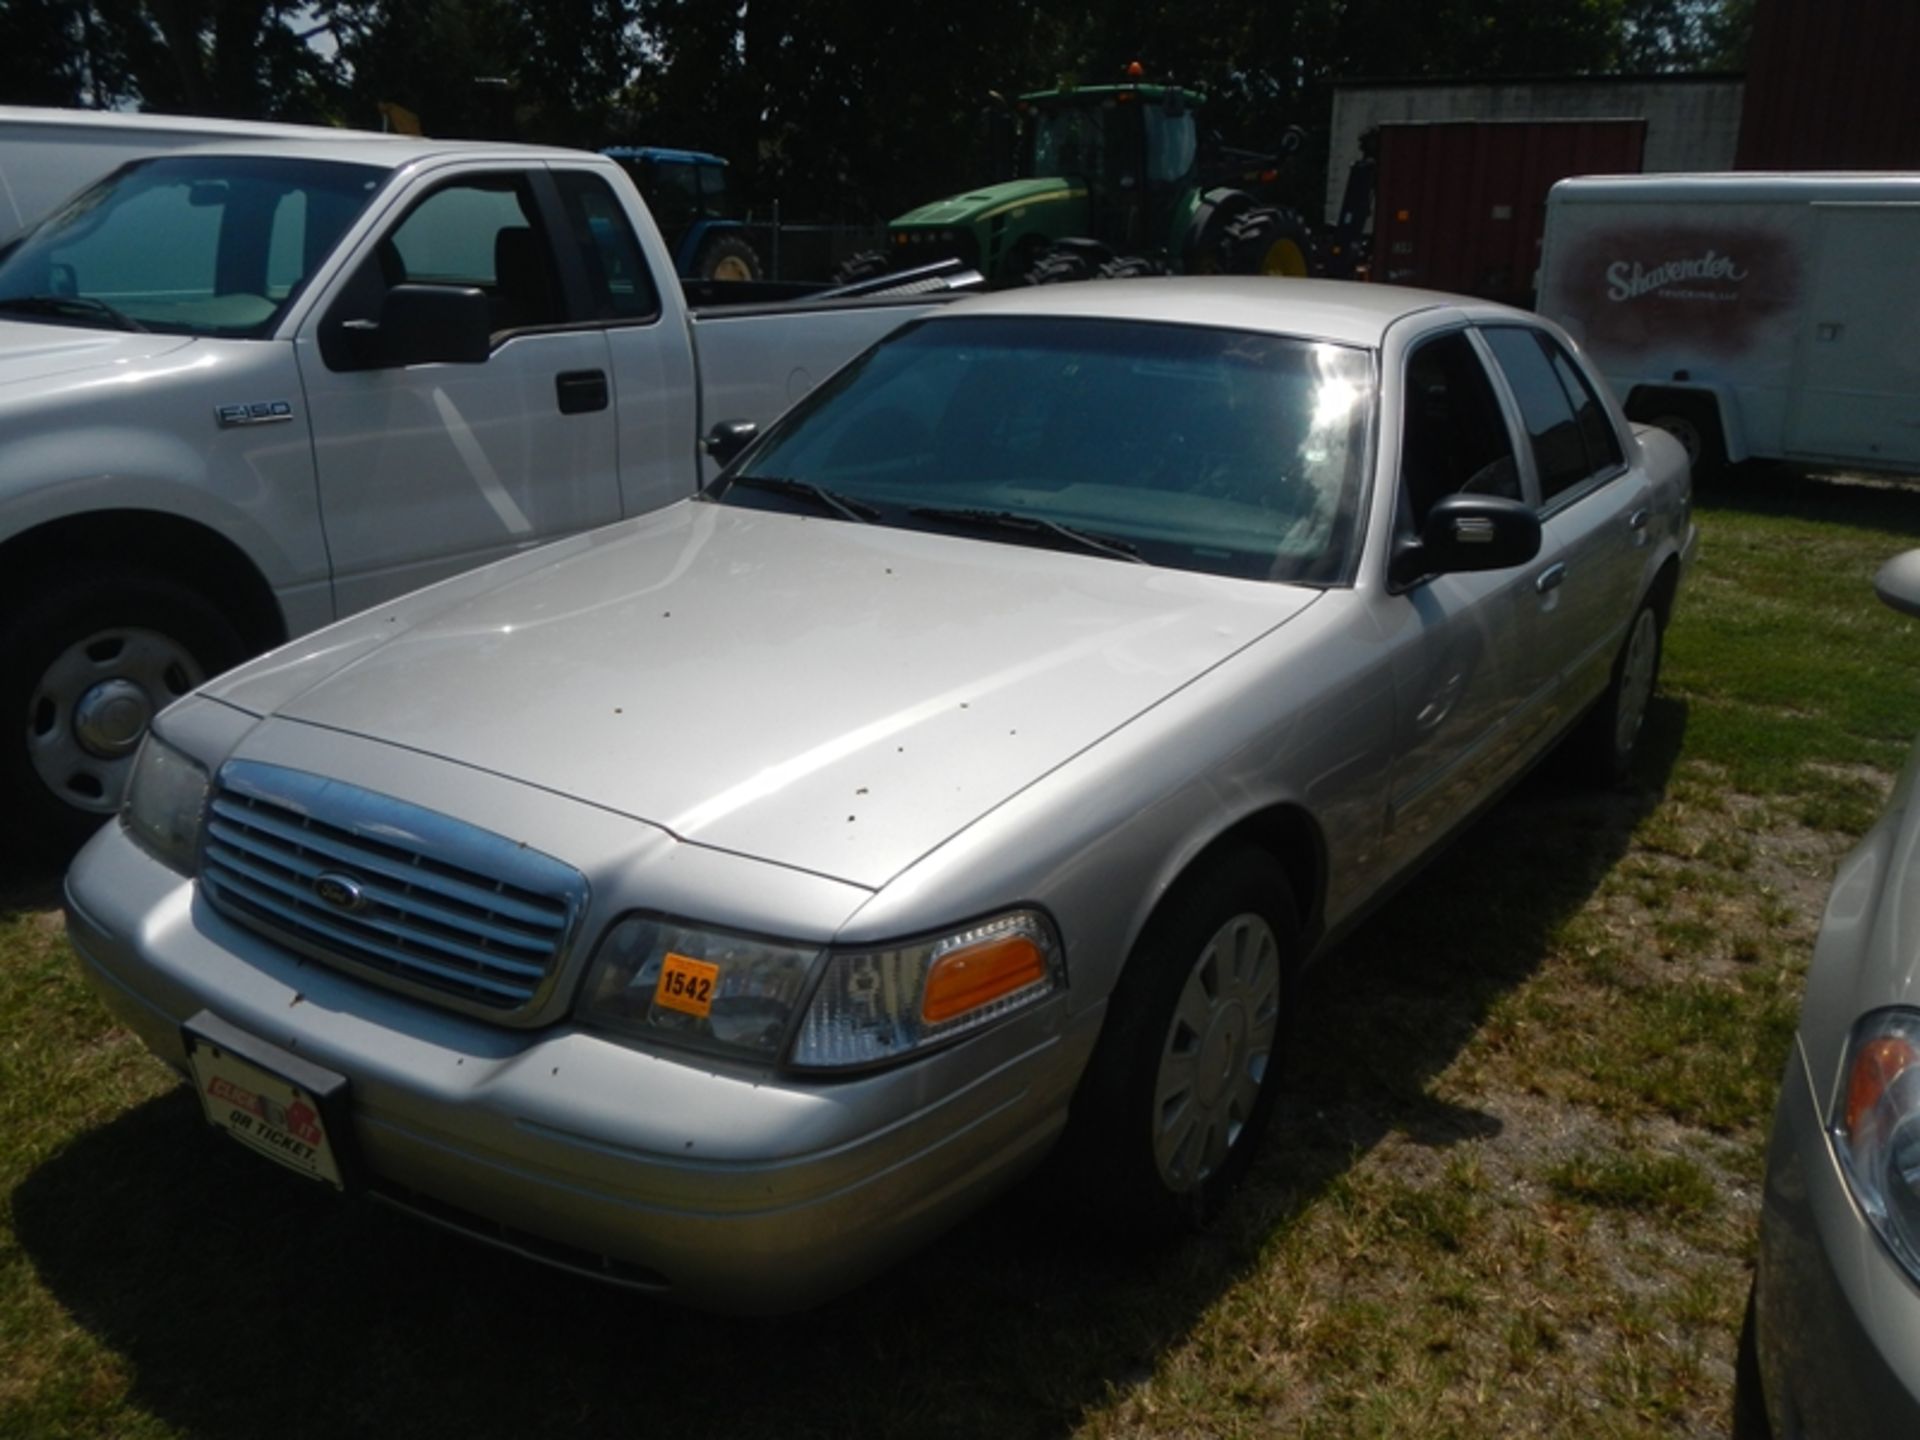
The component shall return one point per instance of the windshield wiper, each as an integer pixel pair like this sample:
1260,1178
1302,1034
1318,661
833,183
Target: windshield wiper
844,505
78,306
1032,525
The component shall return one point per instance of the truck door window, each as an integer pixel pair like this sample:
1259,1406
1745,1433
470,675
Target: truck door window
484,232
1559,447
617,273
1453,437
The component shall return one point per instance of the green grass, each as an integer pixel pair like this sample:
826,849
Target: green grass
1511,1189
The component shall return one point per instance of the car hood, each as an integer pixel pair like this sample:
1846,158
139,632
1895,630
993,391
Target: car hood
30,351
835,697
977,204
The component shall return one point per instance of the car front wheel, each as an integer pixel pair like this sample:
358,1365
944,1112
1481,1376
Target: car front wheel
1183,1081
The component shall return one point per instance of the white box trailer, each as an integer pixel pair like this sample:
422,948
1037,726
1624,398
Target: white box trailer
1756,316
47,154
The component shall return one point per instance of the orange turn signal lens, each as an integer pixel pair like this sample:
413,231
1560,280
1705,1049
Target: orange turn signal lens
964,980
1876,1065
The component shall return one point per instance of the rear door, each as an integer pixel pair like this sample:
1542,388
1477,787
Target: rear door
428,470
1595,511
1857,394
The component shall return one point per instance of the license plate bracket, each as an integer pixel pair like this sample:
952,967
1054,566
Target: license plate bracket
274,1102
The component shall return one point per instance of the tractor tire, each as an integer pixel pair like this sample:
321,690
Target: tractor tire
866,265
1131,267
728,257
1205,252
1268,241
1059,267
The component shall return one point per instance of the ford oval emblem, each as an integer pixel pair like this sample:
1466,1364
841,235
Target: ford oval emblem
340,891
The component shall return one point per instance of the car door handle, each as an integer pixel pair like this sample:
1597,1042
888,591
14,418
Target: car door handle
1638,519
580,392
1550,578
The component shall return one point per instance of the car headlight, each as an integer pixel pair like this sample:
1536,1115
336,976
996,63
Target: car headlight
166,802
712,989
1876,1128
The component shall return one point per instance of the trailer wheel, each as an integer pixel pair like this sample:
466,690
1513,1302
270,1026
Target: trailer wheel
728,257
1693,420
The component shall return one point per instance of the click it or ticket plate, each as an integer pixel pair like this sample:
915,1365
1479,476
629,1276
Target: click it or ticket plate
263,1111
686,985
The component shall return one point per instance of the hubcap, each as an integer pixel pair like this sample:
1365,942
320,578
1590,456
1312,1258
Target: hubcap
1636,682
1216,1052
732,267
92,706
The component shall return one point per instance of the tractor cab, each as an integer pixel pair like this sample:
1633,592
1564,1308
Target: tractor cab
693,204
1135,148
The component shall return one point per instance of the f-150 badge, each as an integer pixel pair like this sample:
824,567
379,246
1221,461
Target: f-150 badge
260,412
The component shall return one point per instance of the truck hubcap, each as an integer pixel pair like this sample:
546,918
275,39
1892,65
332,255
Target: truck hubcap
1215,1056
92,708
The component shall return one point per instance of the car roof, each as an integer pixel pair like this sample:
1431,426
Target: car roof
389,152
1339,310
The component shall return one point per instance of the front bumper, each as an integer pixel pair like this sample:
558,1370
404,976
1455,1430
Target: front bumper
730,1189
1836,1319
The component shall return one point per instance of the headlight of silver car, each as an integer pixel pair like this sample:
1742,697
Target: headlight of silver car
1876,1128
166,802
713,989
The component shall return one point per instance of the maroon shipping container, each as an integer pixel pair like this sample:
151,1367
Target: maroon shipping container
1461,204
1831,85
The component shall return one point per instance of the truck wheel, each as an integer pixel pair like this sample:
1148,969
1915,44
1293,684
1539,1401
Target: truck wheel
1183,1080
1059,267
84,667
1268,241
728,257
1606,741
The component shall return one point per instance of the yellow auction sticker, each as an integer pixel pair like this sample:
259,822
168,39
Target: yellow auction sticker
686,985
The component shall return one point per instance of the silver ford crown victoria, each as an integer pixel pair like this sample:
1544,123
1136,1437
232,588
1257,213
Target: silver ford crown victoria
725,901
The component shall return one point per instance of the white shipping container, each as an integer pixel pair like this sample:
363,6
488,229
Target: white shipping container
1756,316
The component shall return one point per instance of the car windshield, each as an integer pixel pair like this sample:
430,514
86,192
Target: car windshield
1221,451
185,245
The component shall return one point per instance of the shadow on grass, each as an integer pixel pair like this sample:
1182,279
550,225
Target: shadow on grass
1872,502
246,1302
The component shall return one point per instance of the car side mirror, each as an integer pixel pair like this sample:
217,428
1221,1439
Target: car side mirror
728,438
422,325
1898,583
1465,533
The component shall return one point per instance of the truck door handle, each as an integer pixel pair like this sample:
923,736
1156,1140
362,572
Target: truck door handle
1550,578
580,391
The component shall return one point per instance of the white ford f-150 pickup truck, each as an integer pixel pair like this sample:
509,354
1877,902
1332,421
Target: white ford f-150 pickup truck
250,388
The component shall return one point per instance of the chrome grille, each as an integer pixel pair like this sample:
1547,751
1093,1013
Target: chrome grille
373,884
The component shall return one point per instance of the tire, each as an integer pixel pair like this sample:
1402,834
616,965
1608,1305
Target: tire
1059,267
1268,241
84,665
866,265
1608,739
1130,267
1694,421
728,257
1183,1079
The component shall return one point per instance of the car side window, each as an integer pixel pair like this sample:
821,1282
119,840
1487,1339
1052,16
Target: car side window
617,273
1603,442
1453,437
1560,442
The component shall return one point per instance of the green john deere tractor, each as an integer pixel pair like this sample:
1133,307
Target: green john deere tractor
1116,181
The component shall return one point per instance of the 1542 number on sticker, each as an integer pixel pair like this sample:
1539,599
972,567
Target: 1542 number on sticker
686,985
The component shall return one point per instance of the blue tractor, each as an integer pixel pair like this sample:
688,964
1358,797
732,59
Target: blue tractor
691,202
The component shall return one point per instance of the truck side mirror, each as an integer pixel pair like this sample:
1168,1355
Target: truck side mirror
422,325
1465,533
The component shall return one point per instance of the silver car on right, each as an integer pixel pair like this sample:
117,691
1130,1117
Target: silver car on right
1833,1345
